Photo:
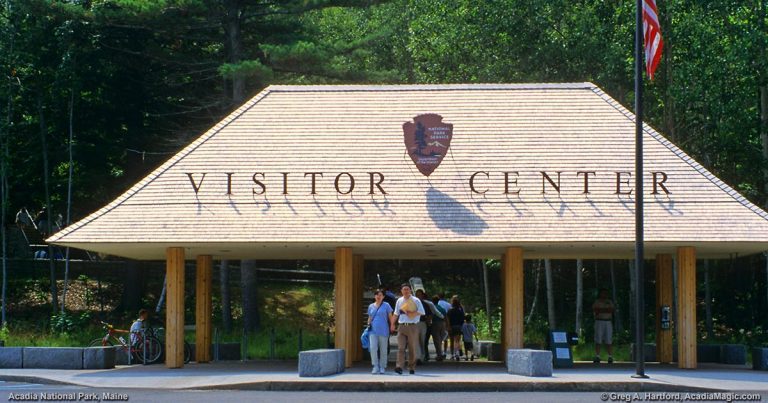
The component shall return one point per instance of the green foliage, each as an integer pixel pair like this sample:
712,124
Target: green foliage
480,318
66,323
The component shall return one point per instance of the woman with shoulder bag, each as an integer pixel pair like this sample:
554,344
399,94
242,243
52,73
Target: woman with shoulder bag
379,319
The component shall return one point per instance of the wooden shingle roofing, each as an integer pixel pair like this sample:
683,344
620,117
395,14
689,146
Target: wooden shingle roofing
511,133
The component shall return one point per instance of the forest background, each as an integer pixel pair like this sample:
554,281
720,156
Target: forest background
94,94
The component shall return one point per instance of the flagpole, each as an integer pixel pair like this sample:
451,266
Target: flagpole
639,253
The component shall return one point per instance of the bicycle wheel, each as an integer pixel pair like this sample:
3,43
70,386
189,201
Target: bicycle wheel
149,348
187,353
100,342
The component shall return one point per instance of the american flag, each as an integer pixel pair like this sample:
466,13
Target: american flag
652,37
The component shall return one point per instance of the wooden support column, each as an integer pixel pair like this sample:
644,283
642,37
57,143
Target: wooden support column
686,307
663,298
174,315
512,278
358,262
203,308
343,309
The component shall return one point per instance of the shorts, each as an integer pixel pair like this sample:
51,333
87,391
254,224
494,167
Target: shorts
456,331
603,332
468,346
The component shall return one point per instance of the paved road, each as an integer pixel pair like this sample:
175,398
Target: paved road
75,393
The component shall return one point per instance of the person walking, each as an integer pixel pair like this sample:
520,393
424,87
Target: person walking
408,311
446,330
439,330
433,315
603,309
379,318
469,331
455,321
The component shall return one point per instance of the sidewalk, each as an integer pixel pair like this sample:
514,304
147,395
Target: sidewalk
445,376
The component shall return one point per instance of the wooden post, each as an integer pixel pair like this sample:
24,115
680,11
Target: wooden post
358,262
203,308
174,318
344,335
663,298
512,306
686,307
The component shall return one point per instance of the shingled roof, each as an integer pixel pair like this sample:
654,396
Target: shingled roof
523,130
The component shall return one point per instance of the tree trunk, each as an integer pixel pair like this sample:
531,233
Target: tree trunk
762,77
669,100
535,292
708,302
579,294
632,291
487,296
234,43
617,311
46,184
766,279
550,294
226,304
762,65
251,319
4,140
69,196
160,300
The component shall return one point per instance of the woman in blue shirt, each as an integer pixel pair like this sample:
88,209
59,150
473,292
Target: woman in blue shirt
379,319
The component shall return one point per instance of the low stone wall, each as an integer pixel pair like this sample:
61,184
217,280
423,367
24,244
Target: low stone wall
57,357
322,362
53,357
11,357
99,358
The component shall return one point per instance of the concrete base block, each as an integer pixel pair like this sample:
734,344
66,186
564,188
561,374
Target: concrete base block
735,354
529,362
98,358
760,359
121,356
53,357
11,357
321,362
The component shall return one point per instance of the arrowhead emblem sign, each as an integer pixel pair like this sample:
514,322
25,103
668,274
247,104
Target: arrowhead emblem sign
427,140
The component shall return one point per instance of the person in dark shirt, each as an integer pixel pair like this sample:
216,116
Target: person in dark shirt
455,319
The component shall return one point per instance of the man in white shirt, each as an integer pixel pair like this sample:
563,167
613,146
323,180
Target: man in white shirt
408,312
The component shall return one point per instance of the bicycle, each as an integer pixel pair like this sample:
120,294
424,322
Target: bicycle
161,337
144,346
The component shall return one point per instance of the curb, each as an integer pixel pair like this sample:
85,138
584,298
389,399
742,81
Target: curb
394,386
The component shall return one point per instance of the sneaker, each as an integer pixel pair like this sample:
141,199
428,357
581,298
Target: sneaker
399,370
411,372
610,359
472,358
596,360
383,371
375,371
